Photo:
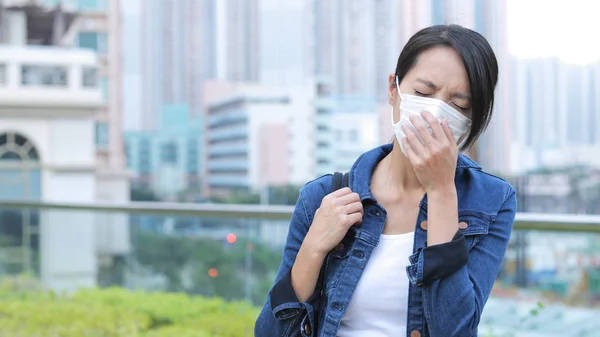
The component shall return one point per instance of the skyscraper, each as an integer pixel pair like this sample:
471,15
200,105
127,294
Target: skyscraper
176,45
555,119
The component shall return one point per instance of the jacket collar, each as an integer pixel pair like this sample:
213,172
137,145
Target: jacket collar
362,170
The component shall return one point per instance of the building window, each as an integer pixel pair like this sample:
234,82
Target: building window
89,78
353,135
93,40
93,5
168,153
338,135
2,74
144,156
101,134
104,86
192,156
44,75
126,149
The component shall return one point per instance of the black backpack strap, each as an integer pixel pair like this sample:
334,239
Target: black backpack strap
346,180
339,180
336,181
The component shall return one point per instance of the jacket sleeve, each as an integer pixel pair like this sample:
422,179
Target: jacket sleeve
457,282
283,315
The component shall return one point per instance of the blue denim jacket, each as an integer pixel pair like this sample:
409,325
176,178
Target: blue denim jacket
450,282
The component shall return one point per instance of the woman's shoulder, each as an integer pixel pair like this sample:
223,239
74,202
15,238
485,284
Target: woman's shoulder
314,191
481,188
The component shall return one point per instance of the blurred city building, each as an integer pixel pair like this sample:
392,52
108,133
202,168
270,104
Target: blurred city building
556,120
355,130
258,136
166,160
53,103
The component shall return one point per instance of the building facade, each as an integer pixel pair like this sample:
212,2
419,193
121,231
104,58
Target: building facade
256,137
355,131
49,100
167,160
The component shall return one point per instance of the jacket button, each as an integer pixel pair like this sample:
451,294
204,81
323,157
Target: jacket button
415,333
358,254
424,225
463,225
307,329
374,212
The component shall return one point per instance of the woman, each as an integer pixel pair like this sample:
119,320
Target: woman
415,243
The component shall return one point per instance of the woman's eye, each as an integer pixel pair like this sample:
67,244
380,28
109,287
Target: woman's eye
460,107
417,92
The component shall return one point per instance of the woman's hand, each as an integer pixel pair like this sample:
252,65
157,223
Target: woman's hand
434,159
338,212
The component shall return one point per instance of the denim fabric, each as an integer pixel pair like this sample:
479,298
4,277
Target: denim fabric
450,283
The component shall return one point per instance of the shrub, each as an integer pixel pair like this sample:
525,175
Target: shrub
117,312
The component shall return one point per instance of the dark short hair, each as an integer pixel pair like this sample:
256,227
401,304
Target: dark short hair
479,61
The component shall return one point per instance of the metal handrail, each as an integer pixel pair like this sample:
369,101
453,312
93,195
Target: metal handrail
523,221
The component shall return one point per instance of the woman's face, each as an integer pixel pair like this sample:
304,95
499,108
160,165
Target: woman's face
438,73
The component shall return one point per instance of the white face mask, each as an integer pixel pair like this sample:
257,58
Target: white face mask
412,105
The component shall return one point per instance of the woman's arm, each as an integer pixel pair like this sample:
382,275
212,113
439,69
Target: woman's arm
442,215
454,290
289,309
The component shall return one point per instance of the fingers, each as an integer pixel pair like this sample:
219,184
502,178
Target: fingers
422,131
412,156
355,207
413,141
341,192
435,125
347,199
352,219
448,132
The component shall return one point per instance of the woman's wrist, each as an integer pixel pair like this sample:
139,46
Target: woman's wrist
442,191
442,215
312,252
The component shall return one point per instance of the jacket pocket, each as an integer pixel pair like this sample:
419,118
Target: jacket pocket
473,225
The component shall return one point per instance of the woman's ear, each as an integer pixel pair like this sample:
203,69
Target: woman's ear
391,88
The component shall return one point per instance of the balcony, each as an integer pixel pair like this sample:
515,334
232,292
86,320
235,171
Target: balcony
215,121
227,181
230,133
215,165
48,79
228,149
233,252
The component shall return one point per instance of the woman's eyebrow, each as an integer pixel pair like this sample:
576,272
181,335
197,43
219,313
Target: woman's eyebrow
428,83
432,85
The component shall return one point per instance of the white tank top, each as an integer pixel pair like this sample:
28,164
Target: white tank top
378,307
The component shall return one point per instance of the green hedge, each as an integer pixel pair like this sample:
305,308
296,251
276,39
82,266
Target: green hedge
117,312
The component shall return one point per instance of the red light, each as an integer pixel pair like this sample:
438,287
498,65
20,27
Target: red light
231,238
213,272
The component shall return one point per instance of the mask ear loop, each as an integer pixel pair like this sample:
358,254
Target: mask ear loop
400,95
464,139
398,87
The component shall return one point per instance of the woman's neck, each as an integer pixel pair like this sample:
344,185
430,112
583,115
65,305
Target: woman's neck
394,175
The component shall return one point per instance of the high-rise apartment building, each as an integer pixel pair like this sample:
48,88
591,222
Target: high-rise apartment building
171,50
555,119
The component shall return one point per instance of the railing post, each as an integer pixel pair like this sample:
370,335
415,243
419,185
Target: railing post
521,236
